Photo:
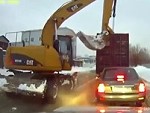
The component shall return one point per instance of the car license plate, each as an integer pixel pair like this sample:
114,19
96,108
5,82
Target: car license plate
121,89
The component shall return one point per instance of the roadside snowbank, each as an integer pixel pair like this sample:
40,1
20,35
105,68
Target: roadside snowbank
143,72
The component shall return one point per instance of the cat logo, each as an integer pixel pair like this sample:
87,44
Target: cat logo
30,62
75,7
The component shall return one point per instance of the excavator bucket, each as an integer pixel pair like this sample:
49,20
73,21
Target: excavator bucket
91,42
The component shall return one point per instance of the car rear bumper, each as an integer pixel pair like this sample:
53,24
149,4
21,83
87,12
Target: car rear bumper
122,97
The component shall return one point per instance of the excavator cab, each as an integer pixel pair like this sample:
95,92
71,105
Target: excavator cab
63,46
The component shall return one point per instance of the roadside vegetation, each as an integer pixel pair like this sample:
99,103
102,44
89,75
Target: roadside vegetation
139,55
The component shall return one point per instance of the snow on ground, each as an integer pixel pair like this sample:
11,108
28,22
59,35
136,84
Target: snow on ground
2,82
77,69
5,72
32,87
141,70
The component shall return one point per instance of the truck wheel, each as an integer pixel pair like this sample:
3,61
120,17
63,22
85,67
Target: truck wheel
51,91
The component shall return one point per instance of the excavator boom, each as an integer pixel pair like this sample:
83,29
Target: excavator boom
107,11
62,14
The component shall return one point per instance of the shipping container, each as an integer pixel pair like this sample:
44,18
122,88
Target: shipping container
115,54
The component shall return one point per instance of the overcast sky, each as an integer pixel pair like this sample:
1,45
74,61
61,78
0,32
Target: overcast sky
132,16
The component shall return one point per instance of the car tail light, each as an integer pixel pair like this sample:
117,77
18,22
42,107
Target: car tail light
141,87
102,111
101,88
120,77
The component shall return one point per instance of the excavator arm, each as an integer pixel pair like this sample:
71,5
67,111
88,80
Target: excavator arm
62,14
100,41
107,11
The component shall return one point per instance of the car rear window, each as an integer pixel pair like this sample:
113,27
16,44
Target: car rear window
128,73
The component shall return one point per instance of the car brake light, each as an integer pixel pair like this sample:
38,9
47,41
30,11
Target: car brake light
141,87
120,77
101,88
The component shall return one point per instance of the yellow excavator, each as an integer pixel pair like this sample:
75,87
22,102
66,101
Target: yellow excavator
55,53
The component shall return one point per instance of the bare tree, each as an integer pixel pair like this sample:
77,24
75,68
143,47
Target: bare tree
138,55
